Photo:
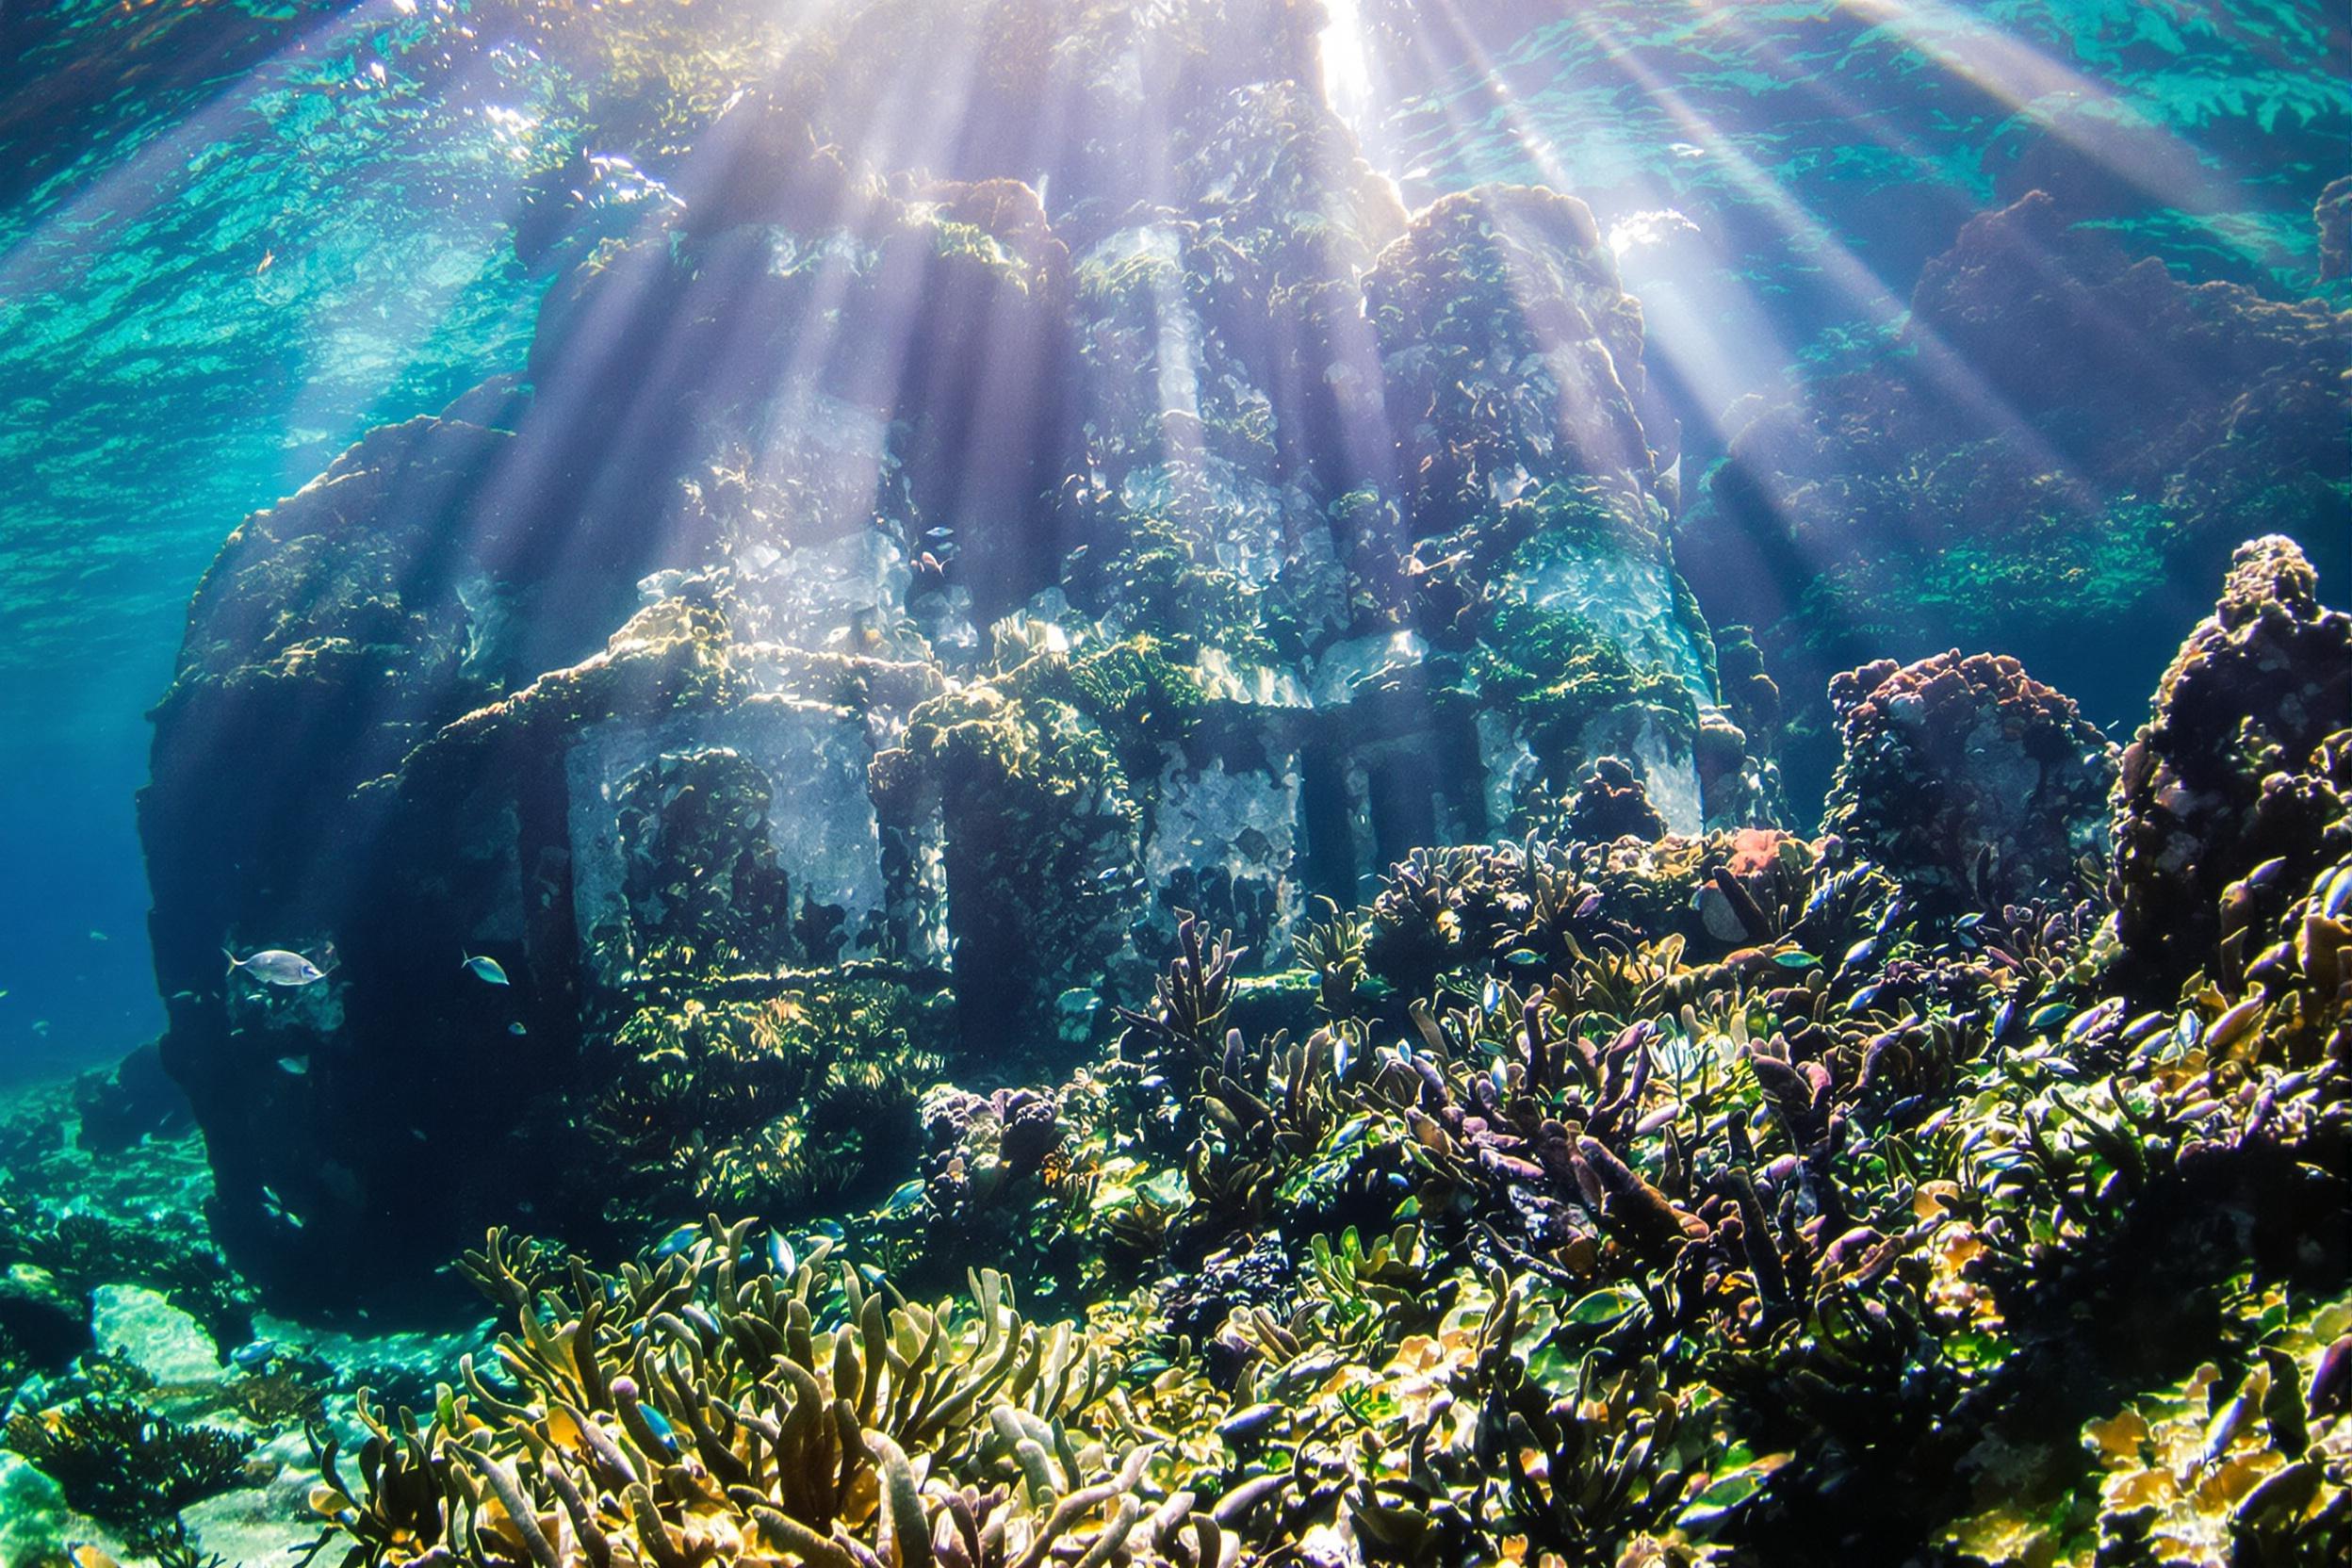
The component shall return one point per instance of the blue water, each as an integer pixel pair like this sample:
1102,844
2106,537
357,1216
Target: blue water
233,236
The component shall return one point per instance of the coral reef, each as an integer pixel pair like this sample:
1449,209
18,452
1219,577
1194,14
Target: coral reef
126,1464
1967,780
2240,785
995,560
1609,1195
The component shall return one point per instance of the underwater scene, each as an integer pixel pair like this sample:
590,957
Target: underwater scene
1066,784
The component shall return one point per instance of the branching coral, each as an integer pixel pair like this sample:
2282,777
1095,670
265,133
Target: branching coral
123,1463
702,1406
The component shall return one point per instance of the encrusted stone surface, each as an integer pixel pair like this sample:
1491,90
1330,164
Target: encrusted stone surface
2248,759
1967,778
935,581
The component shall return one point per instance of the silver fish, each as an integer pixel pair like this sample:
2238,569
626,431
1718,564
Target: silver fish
275,966
486,970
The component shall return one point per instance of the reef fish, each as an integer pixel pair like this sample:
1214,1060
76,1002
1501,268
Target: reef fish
275,966
486,970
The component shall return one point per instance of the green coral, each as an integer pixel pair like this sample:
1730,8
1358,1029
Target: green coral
761,1104
1163,576
123,1463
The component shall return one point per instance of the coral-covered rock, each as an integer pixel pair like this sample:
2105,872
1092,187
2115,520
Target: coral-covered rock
1968,781
2333,214
2248,759
1609,803
925,580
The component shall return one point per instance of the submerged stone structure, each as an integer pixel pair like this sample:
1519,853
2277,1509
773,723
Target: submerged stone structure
884,602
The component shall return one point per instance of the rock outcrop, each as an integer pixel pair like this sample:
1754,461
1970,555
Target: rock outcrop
2239,789
1968,779
886,602
2059,458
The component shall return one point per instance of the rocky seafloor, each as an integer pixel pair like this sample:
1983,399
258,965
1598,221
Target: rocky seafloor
1133,914
1927,1190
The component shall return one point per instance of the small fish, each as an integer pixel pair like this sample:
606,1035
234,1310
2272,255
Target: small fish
1795,959
1591,907
268,258
275,1208
659,1424
98,936
906,1197
516,1028
482,968
275,966
676,1241
2051,1016
1521,957
295,1066
1863,998
780,1257
257,1353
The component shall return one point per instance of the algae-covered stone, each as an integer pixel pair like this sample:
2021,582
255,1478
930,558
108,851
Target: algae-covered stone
932,579
2248,759
1969,780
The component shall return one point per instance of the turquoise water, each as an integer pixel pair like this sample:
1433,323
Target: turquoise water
236,235
239,237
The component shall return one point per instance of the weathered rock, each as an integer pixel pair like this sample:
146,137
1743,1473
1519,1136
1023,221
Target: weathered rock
2333,214
2248,760
1970,782
893,599
1609,803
